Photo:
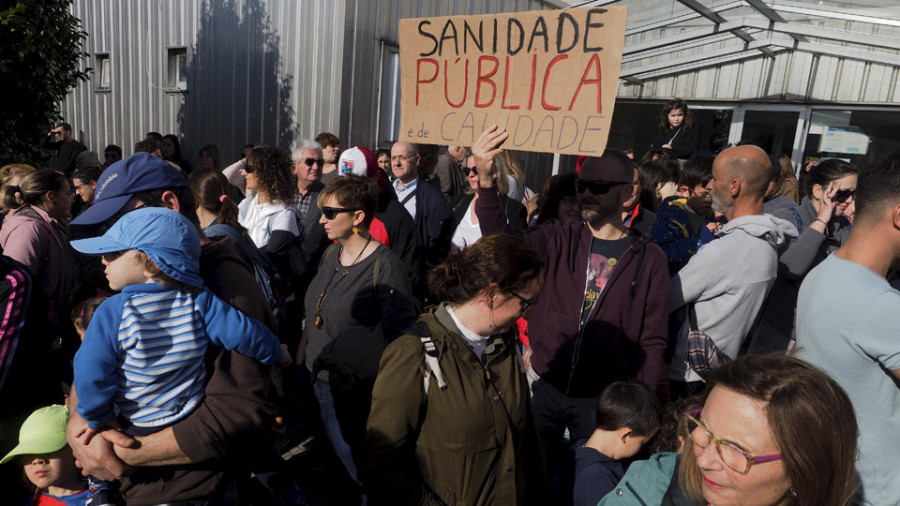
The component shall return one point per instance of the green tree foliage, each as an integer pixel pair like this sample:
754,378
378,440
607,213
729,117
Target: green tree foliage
40,60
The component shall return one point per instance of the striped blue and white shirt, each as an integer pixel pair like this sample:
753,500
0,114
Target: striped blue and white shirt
143,353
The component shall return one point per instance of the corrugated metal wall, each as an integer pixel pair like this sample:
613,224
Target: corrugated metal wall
269,71
258,71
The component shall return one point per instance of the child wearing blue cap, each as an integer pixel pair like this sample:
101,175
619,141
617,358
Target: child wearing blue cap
142,359
49,464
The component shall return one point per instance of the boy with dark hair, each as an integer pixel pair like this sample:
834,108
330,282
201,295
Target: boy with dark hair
628,415
686,220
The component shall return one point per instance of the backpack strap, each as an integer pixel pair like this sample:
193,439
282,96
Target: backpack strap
327,253
432,366
406,198
377,265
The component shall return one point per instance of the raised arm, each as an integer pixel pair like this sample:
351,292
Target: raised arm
488,207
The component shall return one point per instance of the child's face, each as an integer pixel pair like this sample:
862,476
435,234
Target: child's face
123,269
52,469
699,199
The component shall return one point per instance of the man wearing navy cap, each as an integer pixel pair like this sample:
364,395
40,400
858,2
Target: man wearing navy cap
235,397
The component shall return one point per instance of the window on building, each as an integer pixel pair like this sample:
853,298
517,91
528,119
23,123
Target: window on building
389,100
177,69
102,72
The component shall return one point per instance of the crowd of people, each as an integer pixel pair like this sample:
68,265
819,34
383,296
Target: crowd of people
691,329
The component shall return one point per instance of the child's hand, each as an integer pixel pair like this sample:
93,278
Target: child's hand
286,360
111,432
87,433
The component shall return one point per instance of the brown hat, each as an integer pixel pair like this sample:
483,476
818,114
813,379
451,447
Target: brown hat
614,166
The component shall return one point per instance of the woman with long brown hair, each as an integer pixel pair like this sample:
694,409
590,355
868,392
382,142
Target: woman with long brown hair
676,130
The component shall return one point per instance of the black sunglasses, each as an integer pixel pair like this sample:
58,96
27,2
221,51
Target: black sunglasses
596,187
331,212
309,162
469,170
525,303
249,169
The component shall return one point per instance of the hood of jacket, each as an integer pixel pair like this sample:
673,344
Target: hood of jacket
775,231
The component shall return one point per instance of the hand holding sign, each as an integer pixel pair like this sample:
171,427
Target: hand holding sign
484,150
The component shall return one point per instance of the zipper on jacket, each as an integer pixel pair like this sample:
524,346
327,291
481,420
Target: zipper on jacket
581,327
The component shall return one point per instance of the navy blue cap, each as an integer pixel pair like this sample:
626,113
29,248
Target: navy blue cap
121,180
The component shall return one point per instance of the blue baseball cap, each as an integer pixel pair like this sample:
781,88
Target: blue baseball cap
167,237
121,180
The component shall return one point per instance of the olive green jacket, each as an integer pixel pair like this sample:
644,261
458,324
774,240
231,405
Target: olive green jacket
469,444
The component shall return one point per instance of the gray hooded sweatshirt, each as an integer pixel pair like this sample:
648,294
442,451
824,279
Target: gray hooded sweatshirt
727,281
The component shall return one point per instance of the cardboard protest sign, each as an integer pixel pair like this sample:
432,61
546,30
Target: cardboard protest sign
549,77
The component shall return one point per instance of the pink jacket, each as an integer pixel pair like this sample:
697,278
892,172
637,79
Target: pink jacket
31,237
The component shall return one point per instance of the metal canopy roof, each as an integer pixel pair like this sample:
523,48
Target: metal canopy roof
666,37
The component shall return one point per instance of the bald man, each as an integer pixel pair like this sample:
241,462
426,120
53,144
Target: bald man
725,284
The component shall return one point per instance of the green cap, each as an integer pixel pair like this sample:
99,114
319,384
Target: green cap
43,432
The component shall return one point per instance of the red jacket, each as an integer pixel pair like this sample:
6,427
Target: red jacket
625,336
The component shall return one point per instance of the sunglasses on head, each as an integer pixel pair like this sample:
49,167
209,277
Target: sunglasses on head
309,162
595,187
331,213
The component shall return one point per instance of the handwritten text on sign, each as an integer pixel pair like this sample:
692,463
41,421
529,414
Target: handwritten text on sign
549,77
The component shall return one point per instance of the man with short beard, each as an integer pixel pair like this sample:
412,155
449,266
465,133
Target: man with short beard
602,312
726,283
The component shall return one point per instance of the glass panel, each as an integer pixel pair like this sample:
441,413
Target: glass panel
389,120
103,63
774,131
176,75
182,71
635,125
858,136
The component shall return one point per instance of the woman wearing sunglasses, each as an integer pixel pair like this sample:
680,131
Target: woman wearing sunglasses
463,228
450,420
823,229
360,300
772,431
832,189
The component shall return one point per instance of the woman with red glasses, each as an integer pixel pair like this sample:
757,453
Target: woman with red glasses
772,431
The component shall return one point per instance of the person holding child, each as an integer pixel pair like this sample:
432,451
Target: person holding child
49,464
143,353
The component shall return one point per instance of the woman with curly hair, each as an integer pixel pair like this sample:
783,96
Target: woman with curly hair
271,220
